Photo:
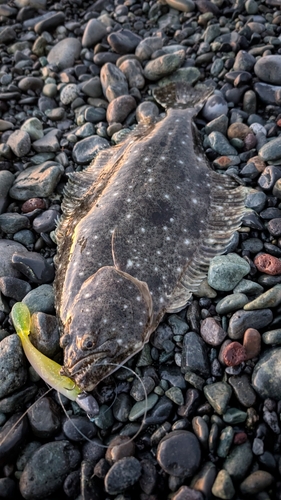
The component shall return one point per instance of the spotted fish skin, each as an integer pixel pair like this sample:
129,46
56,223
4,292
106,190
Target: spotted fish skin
140,227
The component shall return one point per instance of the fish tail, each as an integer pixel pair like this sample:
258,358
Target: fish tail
181,95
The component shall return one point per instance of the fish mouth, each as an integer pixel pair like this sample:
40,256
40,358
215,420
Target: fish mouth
86,363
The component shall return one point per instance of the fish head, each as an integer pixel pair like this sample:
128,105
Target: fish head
107,324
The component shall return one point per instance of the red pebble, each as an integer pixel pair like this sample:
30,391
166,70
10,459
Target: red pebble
240,438
268,264
252,343
32,204
234,354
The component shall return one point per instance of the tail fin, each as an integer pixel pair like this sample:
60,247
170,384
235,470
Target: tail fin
181,95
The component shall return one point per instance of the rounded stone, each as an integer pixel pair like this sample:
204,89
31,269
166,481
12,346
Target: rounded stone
47,469
93,33
223,487
163,65
86,149
239,130
231,303
268,69
267,374
173,453
268,264
12,365
34,128
256,482
212,332
38,181
19,142
234,354
215,106
119,108
226,271
64,53
69,93
122,475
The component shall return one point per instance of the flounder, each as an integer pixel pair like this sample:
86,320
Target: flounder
139,228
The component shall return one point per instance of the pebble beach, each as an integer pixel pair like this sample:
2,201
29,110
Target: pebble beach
77,77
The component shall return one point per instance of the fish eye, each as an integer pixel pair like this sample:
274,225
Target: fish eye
87,343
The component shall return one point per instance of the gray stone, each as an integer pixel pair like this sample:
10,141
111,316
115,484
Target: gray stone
44,333
47,469
84,151
268,69
7,250
270,298
163,65
231,303
93,33
132,70
123,41
267,373
48,143
244,61
271,150
218,395
69,93
37,182
215,106
226,271
220,144
194,355
122,475
34,128
147,46
64,53
19,142
10,223
92,87
6,181
173,453
120,108
241,320
12,365
239,461
113,81
41,299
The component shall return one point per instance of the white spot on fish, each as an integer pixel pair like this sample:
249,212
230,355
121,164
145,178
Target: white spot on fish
129,264
186,241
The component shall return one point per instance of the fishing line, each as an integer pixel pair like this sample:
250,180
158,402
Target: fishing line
93,420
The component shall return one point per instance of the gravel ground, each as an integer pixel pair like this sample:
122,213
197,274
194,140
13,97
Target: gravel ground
75,77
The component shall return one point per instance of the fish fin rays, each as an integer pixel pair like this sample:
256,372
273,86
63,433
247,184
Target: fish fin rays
224,218
182,95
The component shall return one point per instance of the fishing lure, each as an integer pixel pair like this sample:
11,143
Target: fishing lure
46,368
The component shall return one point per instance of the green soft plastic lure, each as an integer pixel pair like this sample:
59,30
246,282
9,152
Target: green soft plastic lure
46,368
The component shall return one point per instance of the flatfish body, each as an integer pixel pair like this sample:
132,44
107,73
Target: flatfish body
139,229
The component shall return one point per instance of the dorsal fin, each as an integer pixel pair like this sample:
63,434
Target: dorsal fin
224,218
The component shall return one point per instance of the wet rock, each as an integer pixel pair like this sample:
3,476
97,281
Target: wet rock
12,365
194,355
122,475
7,250
241,320
226,271
218,395
243,390
231,303
147,46
119,447
215,107
12,436
41,299
44,418
86,429
69,93
34,128
44,333
256,482
220,144
223,486
11,223
173,453
271,150
266,374
234,354
84,151
47,469
132,69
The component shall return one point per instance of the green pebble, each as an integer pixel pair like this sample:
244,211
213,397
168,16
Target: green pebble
248,287
225,271
270,298
195,380
158,390
144,357
223,487
175,394
105,419
238,461
218,395
140,407
251,7
231,303
225,442
272,337
234,416
178,326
